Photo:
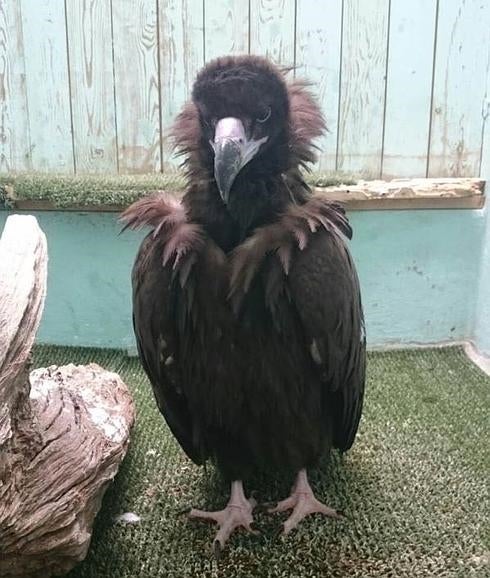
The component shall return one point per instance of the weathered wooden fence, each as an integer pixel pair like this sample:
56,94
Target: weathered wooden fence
91,86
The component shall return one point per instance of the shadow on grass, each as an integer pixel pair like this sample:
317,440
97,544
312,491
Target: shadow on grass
337,482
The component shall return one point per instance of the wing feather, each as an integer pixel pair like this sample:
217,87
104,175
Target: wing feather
154,286
325,289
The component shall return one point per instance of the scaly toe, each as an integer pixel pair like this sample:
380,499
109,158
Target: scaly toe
228,520
283,505
302,502
307,504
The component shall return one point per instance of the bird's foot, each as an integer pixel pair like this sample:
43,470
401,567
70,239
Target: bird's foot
303,503
237,514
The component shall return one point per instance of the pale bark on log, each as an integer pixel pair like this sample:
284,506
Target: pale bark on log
23,274
407,188
435,193
63,431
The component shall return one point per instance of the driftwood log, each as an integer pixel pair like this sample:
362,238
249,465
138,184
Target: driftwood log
63,430
421,193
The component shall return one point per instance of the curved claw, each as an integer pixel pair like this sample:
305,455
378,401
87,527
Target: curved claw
217,549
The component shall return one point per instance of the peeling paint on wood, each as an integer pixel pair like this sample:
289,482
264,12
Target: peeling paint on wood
47,83
362,90
226,24
14,120
136,85
318,42
462,67
408,91
181,56
402,85
89,32
272,29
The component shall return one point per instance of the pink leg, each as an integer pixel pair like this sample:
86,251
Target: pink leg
303,503
238,513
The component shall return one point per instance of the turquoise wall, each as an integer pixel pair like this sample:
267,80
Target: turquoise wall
481,336
482,311
419,272
88,299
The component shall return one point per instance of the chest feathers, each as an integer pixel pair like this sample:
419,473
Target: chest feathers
185,245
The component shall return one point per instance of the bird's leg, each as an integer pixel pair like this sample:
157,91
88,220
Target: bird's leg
238,513
303,503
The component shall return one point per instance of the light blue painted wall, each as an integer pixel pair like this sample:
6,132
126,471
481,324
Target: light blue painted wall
481,335
88,299
419,273
482,311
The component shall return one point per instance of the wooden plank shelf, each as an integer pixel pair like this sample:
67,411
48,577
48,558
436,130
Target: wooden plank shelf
397,194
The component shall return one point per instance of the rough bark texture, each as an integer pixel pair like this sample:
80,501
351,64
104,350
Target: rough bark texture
437,193
23,273
410,188
63,431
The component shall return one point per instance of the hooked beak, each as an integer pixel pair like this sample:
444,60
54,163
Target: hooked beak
232,151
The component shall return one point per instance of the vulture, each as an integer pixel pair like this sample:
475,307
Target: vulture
246,303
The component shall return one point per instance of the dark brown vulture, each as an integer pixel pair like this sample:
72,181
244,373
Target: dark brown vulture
246,302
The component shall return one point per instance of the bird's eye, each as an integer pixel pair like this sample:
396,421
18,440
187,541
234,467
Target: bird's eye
266,116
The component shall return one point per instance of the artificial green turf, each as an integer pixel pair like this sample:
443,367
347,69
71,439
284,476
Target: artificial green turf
85,190
414,487
119,190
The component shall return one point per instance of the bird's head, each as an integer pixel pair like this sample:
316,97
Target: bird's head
243,112
244,119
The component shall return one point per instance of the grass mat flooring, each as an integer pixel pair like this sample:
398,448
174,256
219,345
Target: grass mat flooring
414,487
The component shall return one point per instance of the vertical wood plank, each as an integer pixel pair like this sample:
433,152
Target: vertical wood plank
409,87
92,85
485,154
47,83
461,67
136,85
272,29
226,25
14,122
318,43
181,56
362,90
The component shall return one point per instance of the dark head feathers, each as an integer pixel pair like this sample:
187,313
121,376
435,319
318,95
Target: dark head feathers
247,77
230,70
